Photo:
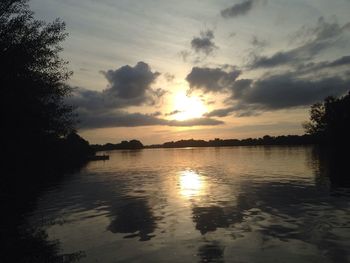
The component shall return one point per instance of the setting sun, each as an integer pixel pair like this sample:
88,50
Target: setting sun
188,107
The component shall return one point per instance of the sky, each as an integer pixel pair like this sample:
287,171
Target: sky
158,70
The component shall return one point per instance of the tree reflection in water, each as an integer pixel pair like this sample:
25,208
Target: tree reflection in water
135,218
211,252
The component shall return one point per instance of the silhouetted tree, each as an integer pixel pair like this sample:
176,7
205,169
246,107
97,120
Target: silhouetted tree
32,78
35,117
330,121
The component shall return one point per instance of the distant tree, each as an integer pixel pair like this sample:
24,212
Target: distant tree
330,120
32,77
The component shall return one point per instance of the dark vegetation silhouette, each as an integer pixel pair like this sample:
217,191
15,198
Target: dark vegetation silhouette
266,140
124,145
330,122
330,125
38,139
38,126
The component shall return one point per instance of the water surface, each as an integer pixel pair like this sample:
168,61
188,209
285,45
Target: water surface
239,204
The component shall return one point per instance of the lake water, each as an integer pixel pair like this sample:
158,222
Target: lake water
234,204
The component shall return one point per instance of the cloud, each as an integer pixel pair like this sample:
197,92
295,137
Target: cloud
212,79
173,113
250,97
324,35
300,84
324,65
156,114
121,118
127,86
220,112
277,92
239,9
286,91
130,82
202,46
204,43
239,110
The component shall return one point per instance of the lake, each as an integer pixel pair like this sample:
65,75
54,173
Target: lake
229,204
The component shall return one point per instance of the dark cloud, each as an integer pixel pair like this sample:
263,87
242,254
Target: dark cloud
300,84
220,112
204,43
286,90
324,65
156,114
212,79
202,46
239,110
130,82
128,86
324,35
125,119
282,91
238,9
173,113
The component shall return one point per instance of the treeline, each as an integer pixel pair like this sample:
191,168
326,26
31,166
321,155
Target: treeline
266,140
124,145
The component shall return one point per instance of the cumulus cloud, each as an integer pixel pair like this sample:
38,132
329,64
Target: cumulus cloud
211,79
127,86
130,82
239,9
204,43
316,39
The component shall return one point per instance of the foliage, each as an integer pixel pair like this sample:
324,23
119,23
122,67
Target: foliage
330,120
38,126
32,75
124,145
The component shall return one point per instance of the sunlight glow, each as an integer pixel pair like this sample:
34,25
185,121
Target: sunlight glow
188,107
190,183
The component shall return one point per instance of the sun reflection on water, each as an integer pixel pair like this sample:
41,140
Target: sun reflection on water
191,183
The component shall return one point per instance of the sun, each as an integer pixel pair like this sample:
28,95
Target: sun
188,107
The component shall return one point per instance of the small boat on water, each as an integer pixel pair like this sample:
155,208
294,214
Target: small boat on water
99,157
